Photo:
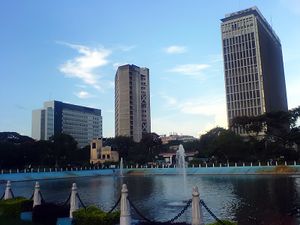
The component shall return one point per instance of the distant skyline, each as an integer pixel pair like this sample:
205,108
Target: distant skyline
70,50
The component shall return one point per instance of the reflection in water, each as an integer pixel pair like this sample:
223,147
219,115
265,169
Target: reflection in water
246,199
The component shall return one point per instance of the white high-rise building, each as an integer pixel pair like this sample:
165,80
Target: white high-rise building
132,102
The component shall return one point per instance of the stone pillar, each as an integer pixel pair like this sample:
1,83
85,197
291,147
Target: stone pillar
125,217
276,163
8,192
74,204
295,163
251,164
243,164
235,164
259,164
37,198
285,163
197,215
268,163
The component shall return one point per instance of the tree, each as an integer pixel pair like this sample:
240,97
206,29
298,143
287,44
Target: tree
63,147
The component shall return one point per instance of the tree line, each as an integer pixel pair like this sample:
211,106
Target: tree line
269,136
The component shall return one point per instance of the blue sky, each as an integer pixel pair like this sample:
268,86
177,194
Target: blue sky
69,51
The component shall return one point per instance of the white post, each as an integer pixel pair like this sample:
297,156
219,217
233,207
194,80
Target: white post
268,163
243,164
125,217
259,164
17,170
74,204
220,165
235,164
37,200
199,165
8,191
276,163
251,164
206,165
193,166
295,163
285,163
38,170
197,215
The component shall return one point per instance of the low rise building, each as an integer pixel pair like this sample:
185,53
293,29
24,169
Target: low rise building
102,154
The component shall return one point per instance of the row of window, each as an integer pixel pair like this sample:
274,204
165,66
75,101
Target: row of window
241,80
235,55
243,96
244,23
238,39
243,104
245,112
247,70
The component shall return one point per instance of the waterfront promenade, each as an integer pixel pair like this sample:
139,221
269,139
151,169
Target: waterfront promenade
216,169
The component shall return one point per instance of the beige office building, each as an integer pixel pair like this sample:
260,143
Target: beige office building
253,66
132,102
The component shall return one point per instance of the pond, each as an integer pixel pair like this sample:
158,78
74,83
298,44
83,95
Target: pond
248,199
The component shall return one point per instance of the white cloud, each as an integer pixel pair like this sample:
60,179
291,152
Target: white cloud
83,95
196,112
84,65
175,49
189,69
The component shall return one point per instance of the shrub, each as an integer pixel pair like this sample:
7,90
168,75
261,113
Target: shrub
13,207
49,212
93,215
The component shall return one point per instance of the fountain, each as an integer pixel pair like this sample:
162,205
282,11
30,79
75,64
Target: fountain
121,168
181,166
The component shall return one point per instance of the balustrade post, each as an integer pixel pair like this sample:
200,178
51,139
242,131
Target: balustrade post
125,216
220,164
197,215
74,201
285,163
235,164
37,199
251,164
213,165
268,163
8,192
259,164
206,165
243,164
295,163
276,163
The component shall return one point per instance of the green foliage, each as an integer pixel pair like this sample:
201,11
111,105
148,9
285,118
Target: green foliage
13,207
93,215
225,222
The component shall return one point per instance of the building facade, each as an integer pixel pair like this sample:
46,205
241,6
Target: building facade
132,102
83,123
102,154
253,66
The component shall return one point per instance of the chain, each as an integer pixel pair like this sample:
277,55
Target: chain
211,213
167,222
139,213
67,200
181,212
83,205
42,198
117,203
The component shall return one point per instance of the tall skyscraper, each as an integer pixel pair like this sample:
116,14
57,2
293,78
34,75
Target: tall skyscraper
253,65
83,123
132,102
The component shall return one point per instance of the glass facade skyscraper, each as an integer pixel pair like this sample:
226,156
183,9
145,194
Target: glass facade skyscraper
83,123
253,65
